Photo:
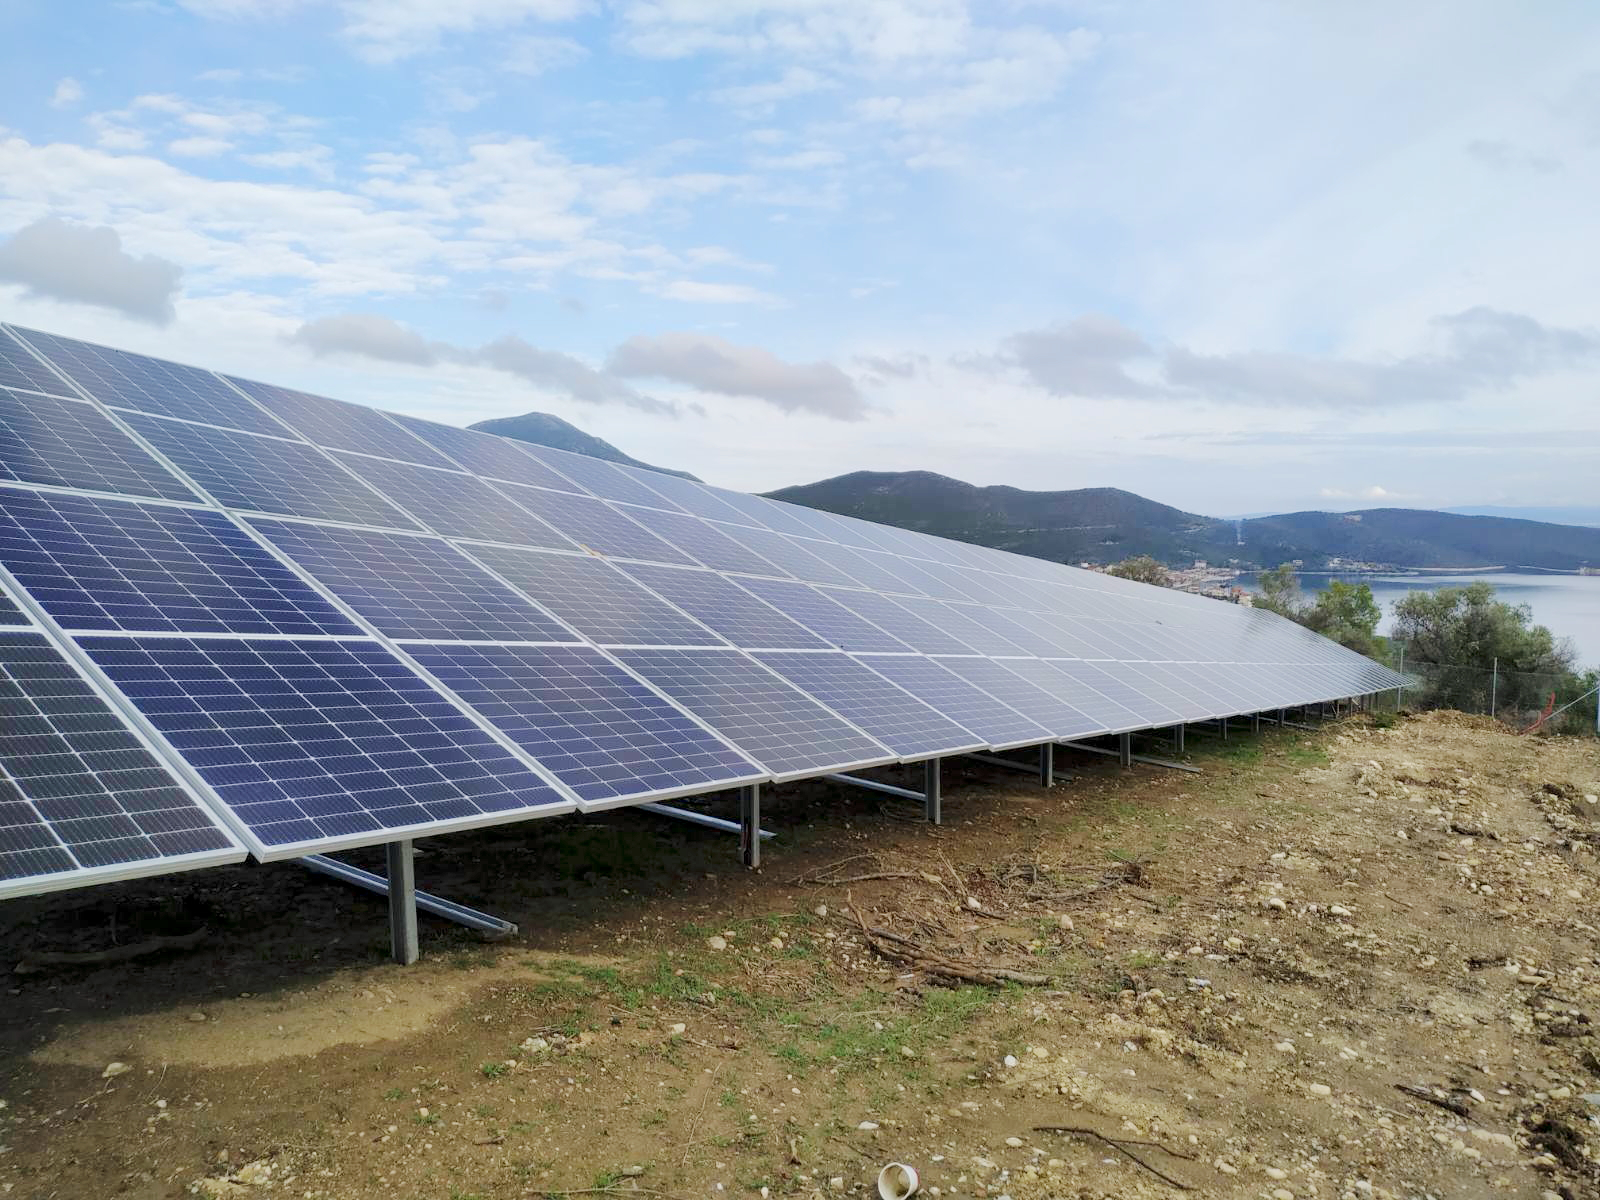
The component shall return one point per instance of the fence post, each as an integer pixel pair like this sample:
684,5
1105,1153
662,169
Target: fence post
1494,688
1400,688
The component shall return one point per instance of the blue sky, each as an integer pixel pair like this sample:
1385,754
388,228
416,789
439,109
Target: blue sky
1236,257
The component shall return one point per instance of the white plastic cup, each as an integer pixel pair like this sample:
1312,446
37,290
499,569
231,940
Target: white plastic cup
897,1181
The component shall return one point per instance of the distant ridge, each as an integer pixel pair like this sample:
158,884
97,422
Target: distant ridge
545,429
1566,515
1104,525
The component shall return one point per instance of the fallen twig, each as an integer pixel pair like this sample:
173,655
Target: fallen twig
1121,1147
700,1112
1448,1103
891,945
38,960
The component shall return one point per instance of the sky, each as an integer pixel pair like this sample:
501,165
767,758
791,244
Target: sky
1236,257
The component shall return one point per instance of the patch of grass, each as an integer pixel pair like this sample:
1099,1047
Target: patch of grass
487,1111
419,1119
395,1094
493,1070
1143,960
1302,755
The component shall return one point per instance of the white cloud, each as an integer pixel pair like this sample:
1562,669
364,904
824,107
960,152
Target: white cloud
696,292
68,92
87,265
562,373
199,147
534,54
1088,356
795,81
386,31
713,364
366,336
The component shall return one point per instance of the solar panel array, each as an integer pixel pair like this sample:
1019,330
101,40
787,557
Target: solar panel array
341,626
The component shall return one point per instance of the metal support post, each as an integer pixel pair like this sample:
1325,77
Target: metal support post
1134,758
1047,764
482,922
1177,738
1012,764
1494,688
1255,723
750,825
1125,749
1400,688
872,785
932,799
1224,728
403,903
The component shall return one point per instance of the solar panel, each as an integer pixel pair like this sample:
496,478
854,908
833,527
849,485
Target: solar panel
899,622
341,426
10,614
121,379
997,723
1049,710
767,514
411,585
788,554
1097,707
595,598
72,444
888,713
1174,693
782,729
486,455
703,541
923,578
595,525
872,571
1114,681
81,798
455,505
718,603
826,618
598,477
688,495
152,568
597,729
266,474
960,623
318,744
20,368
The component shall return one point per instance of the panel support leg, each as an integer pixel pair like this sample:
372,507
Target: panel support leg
403,903
1125,749
932,800
1047,764
750,825
1224,728
1177,739
1255,723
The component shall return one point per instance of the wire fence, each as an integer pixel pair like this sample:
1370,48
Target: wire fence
1556,702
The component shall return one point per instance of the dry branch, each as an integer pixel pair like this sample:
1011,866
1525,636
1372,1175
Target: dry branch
1121,1145
38,960
898,948
1449,1103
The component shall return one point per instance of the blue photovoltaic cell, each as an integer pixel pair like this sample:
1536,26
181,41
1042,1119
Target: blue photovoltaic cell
10,614
589,723
411,586
787,553
341,426
893,619
870,570
310,741
266,474
1098,708
151,385
455,505
153,568
767,514
892,715
1112,681
1055,714
718,603
20,369
996,723
999,624
595,598
779,727
79,793
831,621
72,444
926,581
688,495
955,622
1037,635
486,455
598,477
1174,693
703,541
595,525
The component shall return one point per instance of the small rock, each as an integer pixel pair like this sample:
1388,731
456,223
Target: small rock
867,1126
972,902
1014,1142
1282,1194
632,1172
837,1183
1275,1173
534,1045
907,1052
1275,902
677,1029
821,910
1339,910
1040,1052
717,942
776,943
198,1017
1064,921
254,1173
218,1189
1010,1060
114,1069
1284,1047
1320,1089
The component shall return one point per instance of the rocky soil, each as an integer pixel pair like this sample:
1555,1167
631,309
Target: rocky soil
1358,963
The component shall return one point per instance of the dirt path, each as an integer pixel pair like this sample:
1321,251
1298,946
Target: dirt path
1357,963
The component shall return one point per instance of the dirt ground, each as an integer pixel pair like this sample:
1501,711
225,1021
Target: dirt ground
1357,962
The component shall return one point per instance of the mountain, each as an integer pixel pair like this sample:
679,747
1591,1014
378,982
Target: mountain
1568,515
543,429
1086,525
1104,525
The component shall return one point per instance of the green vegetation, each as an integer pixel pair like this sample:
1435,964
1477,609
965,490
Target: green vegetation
1141,569
1345,612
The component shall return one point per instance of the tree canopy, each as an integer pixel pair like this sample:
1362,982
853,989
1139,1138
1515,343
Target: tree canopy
1345,612
1141,569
